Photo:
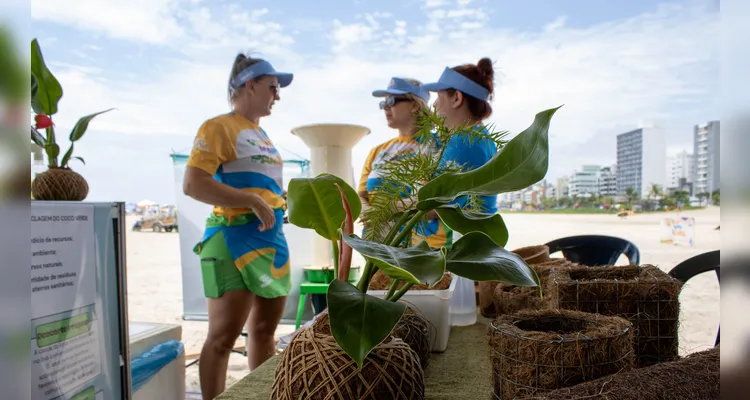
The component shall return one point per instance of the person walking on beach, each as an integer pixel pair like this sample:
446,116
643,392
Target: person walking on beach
235,167
403,100
463,95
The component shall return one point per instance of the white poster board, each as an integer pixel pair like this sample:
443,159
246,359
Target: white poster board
77,335
679,231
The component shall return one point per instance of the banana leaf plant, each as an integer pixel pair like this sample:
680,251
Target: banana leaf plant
46,93
328,205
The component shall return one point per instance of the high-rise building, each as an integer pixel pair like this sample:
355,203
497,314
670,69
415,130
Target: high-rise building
641,160
562,188
680,169
608,181
585,182
706,139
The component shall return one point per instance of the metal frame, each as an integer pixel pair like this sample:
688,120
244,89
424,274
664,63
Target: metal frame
118,230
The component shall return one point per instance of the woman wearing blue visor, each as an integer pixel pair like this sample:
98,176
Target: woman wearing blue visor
402,101
463,95
235,167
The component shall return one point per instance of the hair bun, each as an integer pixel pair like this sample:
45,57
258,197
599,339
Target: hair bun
240,57
484,67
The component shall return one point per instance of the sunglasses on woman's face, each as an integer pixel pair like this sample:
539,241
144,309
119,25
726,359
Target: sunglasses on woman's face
392,101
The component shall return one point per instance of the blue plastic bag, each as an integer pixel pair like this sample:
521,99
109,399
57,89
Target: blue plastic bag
148,364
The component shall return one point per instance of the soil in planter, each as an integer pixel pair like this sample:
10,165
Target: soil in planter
695,377
413,328
536,351
645,295
498,298
380,281
314,367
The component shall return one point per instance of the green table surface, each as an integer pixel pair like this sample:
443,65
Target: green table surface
463,371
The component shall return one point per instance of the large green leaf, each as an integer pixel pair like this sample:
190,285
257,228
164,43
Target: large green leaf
49,91
521,163
359,322
315,203
476,257
83,123
466,222
417,264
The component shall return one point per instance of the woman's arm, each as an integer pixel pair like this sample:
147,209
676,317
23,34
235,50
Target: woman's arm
201,186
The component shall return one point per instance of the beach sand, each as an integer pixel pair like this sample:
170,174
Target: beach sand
155,288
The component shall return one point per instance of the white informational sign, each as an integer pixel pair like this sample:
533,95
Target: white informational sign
678,231
65,337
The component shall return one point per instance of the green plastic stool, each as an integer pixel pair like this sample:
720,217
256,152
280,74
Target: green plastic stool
304,289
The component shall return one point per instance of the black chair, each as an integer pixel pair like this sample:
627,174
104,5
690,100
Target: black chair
595,250
697,265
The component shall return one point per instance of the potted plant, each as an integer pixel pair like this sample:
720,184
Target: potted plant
361,324
59,182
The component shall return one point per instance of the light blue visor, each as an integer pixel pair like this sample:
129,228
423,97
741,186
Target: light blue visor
261,68
399,87
451,79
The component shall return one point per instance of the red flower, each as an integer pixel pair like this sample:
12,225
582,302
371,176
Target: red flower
42,121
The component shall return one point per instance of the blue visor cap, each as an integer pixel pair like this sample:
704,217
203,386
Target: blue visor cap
262,68
399,86
451,79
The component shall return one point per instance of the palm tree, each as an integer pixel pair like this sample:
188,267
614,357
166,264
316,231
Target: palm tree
632,196
654,192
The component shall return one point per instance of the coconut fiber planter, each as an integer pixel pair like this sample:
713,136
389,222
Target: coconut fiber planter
507,299
531,255
533,352
59,184
695,377
314,367
645,295
413,328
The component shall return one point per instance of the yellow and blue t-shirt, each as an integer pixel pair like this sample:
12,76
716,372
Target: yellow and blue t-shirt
435,232
238,153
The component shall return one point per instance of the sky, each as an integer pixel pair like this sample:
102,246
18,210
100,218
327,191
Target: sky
164,65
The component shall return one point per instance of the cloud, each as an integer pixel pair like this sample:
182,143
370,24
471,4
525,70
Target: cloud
150,21
609,75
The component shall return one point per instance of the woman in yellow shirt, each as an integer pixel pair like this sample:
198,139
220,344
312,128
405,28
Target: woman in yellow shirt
235,167
402,101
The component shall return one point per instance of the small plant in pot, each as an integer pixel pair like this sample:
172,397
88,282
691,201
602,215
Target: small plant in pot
59,182
360,349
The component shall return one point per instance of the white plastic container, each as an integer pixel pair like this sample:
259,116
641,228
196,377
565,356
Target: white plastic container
463,307
435,306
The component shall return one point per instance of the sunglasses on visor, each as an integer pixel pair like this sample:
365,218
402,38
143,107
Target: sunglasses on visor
392,101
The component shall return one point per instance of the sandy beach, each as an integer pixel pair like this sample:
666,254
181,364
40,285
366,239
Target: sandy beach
155,288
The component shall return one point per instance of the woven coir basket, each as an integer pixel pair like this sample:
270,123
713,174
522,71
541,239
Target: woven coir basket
498,298
413,328
314,367
695,377
645,295
59,184
536,351
531,255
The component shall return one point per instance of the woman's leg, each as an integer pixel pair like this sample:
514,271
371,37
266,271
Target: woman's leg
226,317
265,315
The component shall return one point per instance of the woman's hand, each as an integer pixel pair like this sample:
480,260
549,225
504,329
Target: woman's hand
265,214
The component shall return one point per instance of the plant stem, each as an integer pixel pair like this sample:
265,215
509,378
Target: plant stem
335,245
401,292
392,289
364,280
369,270
408,227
